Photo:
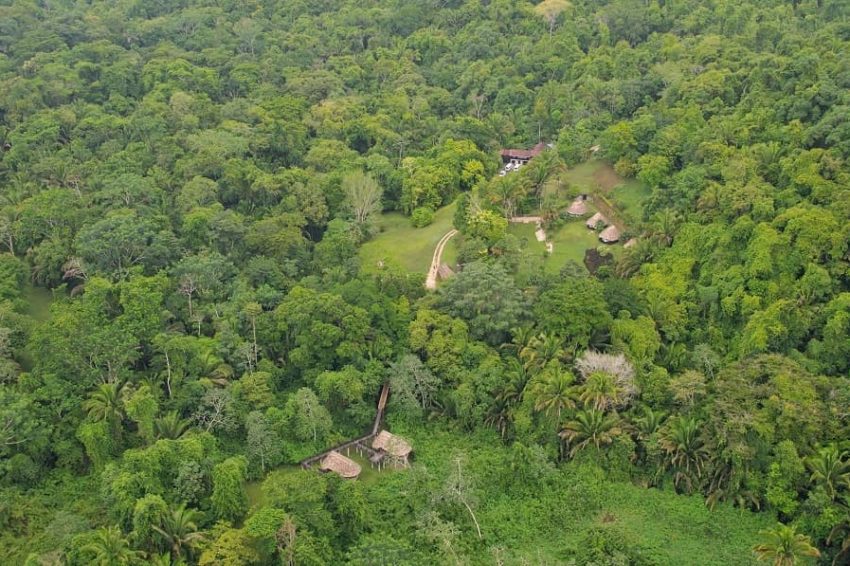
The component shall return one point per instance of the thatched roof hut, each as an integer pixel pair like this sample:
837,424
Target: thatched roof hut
609,235
631,243
339,464
578,207
445,272
391,444
596,219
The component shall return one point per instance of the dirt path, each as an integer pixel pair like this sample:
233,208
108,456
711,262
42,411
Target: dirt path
431,281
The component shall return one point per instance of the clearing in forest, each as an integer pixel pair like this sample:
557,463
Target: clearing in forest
397,243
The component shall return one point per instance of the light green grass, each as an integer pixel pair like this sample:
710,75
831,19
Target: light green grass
570,242
630,197
397,243
582,175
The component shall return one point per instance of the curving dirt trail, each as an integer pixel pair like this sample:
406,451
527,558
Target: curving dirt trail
431,281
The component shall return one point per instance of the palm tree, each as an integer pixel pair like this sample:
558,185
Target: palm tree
648,423
830,469
841,532
643,251
600,391
521,337
179,529
170,426
541,350
552,392
684,450
106,403
109,547
784,546
590,427
541,168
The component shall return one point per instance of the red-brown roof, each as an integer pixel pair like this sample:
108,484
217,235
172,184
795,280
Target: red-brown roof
524,153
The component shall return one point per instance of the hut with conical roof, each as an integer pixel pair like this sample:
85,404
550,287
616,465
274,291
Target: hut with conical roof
396,449
609,235
340,465
595,220
578,207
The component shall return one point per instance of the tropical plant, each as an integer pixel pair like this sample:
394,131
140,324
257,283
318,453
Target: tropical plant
684,451
109,547
170,426
784,546
179,530
552,391
830,469
590,427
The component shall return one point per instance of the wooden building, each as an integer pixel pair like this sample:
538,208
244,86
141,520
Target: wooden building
521,156
395,450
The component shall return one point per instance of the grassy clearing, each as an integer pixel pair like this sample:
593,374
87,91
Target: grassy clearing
627,194
630,196
397,243
570,241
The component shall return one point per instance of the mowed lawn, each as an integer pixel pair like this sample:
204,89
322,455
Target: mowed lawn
596,175
569,242
398,243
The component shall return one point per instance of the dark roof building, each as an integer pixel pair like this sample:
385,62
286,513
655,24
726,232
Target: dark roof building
522,155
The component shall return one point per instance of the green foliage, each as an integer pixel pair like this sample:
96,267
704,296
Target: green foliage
228,496
421,217
208,270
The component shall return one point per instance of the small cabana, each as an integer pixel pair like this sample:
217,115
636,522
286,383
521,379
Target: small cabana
578,207
340,465
595,220
397,449
445,272
609,235
631,243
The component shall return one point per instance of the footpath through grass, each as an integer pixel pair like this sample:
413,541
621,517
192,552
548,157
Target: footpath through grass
398,243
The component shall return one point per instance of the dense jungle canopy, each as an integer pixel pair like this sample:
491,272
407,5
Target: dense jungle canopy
216,219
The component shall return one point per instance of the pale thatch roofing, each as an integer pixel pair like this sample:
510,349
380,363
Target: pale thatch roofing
609,235
392,444
630,243
596,219
444,271
339,464
578,207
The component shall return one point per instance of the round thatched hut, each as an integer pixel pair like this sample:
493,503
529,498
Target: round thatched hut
595,220
610,235
578,207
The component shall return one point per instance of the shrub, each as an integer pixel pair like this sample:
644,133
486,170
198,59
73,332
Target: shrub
421,217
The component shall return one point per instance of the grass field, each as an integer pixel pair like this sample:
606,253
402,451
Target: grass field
569,242
627,194
398,243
